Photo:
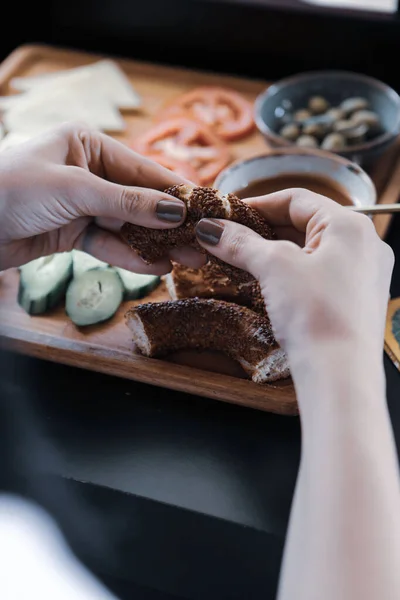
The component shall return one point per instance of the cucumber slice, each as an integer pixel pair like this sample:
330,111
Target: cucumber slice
82,262
43,282
94,296
137,285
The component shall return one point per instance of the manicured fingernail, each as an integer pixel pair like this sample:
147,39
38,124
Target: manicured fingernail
209,232
170,210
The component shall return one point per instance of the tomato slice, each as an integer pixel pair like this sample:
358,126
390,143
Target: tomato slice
188,141
184,169
225,111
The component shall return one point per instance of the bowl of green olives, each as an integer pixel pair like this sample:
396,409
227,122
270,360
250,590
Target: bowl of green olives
341,112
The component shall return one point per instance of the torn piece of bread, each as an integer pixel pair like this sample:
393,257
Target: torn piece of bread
201,202
198,324
211,282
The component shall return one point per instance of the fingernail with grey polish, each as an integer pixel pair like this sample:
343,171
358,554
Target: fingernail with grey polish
170,210
209,232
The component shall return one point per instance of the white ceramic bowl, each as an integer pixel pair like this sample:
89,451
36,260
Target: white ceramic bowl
348,175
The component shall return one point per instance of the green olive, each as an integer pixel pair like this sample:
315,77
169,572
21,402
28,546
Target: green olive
318,105
301,115
336,114
357,135
367,117
314,129
307,141
352,131
290,132
345,126
334,142
351,105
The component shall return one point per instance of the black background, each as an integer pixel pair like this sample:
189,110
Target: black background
249,38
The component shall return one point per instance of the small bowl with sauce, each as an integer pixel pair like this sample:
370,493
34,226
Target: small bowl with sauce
316,170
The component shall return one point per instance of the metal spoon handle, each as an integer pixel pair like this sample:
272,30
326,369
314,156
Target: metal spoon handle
377,209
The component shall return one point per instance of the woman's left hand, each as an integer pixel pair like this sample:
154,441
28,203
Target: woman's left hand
73,188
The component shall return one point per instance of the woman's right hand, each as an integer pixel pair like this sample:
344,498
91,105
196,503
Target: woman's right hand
327,298
325,280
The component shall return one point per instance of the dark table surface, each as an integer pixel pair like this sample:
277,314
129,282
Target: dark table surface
170,491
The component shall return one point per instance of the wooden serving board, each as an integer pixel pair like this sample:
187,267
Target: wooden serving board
392,332
107,348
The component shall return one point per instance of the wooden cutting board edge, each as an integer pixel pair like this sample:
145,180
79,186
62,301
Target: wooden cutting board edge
276,399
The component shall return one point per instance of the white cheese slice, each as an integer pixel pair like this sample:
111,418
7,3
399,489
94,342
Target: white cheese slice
48,107
106,77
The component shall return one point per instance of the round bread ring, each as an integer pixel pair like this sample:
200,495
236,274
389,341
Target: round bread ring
211,282
201,202
199,324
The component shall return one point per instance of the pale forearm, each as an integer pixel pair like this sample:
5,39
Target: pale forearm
344,535
326,298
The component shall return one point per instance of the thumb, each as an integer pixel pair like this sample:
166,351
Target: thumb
93,196
244,248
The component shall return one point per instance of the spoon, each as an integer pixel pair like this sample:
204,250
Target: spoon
376,209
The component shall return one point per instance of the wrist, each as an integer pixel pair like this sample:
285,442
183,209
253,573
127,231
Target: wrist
336,371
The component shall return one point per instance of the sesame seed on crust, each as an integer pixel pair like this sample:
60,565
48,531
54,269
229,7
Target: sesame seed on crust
201,202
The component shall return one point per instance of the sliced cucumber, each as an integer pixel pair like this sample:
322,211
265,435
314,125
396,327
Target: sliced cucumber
43,282
137,285
82,262
94,296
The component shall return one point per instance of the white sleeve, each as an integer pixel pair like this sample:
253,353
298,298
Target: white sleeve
35,561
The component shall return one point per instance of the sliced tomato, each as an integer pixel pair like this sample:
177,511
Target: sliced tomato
188,141
184,169
225,111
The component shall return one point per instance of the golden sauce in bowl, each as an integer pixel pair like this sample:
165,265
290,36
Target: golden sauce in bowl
315,183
